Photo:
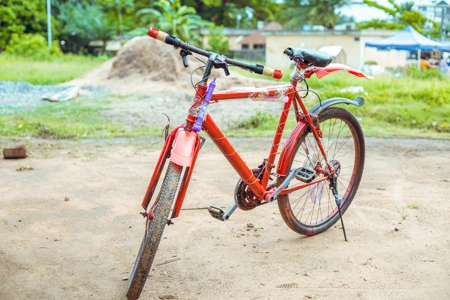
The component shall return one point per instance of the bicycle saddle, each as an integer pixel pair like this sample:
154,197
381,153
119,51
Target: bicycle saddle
309,56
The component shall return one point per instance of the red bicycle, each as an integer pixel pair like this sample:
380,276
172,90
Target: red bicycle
318,171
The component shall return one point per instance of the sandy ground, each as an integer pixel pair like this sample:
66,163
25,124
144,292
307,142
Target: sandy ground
70,229
70,226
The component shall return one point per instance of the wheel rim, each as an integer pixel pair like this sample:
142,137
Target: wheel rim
315,205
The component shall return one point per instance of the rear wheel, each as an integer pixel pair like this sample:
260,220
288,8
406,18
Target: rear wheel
313,209
154,231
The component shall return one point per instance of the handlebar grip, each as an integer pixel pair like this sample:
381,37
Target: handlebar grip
157,34
269,72
163,37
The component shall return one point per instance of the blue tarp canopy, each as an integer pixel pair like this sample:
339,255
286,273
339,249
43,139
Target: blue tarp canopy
408,39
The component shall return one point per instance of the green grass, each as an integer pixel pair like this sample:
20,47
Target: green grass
413,206
73,119
412,106
58,70
397,106
405,107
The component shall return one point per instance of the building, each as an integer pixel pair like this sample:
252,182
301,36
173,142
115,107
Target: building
267,46
253,46
433,9
352,43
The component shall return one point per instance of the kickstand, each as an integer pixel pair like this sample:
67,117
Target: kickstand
338,203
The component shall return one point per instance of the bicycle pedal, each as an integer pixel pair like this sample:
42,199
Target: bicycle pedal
305,174
216,213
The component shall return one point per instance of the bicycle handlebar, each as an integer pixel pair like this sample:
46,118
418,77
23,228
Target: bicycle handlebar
171,40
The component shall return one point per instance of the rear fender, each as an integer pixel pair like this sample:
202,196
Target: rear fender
289,146
322,72
358,101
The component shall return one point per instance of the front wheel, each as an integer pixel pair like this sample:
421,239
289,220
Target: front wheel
313,210
154,231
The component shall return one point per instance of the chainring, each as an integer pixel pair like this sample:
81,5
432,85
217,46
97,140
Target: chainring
243,195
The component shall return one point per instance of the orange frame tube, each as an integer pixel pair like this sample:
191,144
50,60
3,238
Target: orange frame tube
259,188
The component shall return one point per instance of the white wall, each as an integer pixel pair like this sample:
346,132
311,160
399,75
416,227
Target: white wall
353,44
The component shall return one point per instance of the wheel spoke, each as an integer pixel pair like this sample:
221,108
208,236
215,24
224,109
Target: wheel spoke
314,209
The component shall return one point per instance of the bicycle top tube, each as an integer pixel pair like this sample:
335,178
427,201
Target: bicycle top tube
279,93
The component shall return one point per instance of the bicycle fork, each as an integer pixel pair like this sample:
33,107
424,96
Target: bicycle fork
182,148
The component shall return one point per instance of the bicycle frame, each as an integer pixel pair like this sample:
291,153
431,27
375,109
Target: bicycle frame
183,143
258,187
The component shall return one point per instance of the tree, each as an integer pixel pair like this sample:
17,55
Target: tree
314,12
118,8
224,12
85,23
23,16
174,18
407,6
218,42
240,17
402,16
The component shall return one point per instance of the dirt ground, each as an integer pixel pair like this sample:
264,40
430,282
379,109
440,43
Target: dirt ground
70,228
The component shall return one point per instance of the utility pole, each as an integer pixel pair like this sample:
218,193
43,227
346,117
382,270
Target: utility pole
442,24
49,23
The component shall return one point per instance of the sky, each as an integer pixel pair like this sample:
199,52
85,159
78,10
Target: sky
362,12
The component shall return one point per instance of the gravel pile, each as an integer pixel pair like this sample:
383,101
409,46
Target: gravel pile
21,96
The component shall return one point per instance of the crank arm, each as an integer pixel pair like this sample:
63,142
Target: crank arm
230,211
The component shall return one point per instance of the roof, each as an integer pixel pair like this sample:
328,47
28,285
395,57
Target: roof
254,38
442,4
408,39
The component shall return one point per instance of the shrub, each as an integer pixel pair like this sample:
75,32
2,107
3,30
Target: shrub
32,46
424,73
254,121
218,42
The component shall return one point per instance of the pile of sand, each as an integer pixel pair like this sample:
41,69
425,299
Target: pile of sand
144,65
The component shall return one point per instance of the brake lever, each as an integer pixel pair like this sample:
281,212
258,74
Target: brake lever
185,61
227,72
184,53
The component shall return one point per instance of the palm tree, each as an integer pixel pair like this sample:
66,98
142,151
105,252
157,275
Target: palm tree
314,12
176,19
407,6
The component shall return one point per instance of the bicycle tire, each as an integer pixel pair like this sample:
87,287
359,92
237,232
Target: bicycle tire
304,210
154,232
